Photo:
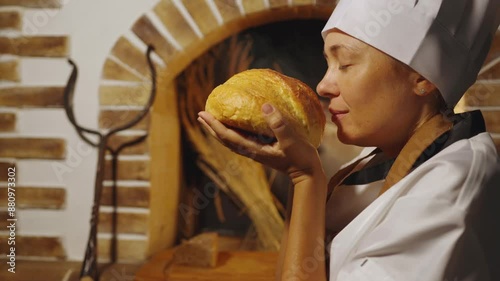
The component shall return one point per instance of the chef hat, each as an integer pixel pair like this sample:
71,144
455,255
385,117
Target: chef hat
446,41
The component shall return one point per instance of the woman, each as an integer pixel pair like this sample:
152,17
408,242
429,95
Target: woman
420,206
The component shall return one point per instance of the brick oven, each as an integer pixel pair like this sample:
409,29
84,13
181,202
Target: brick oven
180,36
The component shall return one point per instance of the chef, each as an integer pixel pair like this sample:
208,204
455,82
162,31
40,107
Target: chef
422,201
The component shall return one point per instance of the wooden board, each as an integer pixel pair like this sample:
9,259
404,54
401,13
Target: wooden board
241,266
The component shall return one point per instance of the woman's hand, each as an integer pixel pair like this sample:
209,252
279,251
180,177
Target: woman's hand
291,153
294,155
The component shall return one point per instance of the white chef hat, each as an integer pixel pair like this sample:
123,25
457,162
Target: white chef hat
446,41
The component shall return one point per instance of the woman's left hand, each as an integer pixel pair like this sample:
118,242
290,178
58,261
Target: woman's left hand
291,153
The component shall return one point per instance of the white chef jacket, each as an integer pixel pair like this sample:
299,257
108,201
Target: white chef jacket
439,223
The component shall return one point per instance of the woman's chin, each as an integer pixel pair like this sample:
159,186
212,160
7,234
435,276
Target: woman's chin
350,139
345,138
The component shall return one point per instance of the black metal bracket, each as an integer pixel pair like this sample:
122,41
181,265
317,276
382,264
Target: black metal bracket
90,266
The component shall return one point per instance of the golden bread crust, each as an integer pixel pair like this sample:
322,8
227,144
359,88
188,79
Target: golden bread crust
237,103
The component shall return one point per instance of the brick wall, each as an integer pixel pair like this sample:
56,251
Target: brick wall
485,94
33,72
16,97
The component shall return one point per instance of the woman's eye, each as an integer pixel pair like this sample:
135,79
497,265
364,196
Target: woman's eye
344,67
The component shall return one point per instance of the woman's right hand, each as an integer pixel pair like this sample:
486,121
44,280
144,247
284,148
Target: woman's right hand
291,153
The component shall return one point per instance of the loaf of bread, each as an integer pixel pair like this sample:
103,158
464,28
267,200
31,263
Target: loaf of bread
237,103
199,251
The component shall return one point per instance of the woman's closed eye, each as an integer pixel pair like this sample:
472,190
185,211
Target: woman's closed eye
344,66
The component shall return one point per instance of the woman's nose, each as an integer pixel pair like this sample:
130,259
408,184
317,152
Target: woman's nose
327,87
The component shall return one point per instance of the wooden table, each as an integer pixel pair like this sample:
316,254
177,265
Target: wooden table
241,266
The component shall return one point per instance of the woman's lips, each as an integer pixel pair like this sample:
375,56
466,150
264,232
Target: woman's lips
337,114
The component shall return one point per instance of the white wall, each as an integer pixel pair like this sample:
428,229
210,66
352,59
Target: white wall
93,27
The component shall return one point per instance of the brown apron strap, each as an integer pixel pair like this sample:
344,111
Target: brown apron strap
338,177
334,182
417,144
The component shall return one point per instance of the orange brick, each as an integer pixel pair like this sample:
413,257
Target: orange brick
7,122
4,170
228,9
9,71
493,73
202,15
253,6
34,246
127,250
147,32
126,196
492,119
114,71
32,3
7,46
278,3
129,170
36,198
32,97
38,46
113,118
175,22
302,2
125,95
4,215
483,94
27,270
33,148
130,223
10,20
136,149
129,54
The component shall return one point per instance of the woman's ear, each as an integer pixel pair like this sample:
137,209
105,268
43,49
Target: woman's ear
423,87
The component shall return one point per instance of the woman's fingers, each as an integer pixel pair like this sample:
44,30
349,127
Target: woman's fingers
217,129
228,137
290,152
283,132
204,123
